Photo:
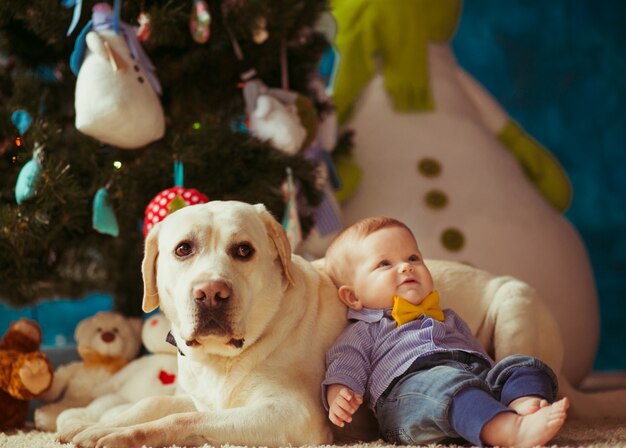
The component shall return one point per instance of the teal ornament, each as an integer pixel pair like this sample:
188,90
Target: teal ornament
104,220
27,180
22,120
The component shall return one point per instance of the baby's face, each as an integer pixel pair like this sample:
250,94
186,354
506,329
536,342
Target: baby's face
388,263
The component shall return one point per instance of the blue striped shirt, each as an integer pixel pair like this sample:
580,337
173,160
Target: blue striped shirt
373,350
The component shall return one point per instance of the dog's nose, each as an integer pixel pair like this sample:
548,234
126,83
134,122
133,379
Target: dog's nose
212,294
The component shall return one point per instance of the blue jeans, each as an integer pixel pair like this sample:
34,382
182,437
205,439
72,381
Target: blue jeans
452,395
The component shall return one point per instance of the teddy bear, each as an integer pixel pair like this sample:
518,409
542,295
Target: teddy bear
24,372
149,375
105,342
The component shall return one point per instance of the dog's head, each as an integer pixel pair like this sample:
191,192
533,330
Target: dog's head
218,271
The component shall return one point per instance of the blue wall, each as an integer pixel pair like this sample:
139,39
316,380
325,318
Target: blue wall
57,318
559,68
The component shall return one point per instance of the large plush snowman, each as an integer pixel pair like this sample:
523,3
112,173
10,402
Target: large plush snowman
438,152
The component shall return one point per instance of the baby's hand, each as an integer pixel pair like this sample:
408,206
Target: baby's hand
343,404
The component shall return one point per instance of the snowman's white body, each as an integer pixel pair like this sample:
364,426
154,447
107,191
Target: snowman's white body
507,226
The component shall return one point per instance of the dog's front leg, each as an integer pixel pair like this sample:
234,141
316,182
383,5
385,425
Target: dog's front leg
262,424
146,410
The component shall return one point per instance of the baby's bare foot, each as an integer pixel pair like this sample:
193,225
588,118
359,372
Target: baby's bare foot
528,405
35,375
536,429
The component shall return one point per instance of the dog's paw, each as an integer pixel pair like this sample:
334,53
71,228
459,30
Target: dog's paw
125,437
89,437
66,435
101,437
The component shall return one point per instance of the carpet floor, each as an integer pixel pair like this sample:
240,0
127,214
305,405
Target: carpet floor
602,434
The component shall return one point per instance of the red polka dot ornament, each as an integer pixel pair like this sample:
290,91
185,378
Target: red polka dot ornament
170,200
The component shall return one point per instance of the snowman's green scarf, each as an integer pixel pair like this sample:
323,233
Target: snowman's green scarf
397,32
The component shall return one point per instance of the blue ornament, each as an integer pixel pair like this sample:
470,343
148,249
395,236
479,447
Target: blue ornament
22,120
104,220
27,180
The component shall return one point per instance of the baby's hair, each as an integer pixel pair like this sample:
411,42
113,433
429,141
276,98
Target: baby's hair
337,259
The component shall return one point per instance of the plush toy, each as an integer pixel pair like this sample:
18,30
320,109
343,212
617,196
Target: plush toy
106,342
116,90
24,372
149,375
440,154
273,116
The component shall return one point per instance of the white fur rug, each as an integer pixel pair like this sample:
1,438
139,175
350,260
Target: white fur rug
604,434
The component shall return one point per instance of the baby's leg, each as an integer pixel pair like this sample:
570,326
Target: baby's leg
510,429
525,383
528,405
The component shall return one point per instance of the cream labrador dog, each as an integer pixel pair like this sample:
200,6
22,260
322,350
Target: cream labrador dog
252,323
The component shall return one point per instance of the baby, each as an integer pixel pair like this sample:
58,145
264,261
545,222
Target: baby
419,368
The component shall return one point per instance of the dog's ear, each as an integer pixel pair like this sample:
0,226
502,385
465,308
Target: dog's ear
279,237
148,269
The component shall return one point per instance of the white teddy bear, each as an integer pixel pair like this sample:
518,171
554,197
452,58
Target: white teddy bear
105,342
150,375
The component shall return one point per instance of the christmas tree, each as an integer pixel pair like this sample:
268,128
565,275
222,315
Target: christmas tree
82,194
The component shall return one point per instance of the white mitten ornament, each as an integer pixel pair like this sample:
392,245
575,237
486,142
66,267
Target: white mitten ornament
116,90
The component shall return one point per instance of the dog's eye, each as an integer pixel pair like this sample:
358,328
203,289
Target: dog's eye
242,251
183,249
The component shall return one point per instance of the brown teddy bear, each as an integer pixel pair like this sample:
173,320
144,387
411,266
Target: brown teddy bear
24,372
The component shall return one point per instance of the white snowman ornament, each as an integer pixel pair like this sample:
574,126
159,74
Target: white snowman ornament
449,175
117,91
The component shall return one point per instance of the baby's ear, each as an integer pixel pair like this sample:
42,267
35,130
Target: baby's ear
347,296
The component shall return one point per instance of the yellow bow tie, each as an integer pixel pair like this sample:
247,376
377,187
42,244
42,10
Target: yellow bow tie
404,311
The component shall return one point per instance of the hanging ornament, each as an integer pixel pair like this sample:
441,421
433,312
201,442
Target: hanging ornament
327,213
170,200
272,113
22,120
200,21
273,116
29,176
103,218
259,32
117,90
329,63
308,118
143,31
291,221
